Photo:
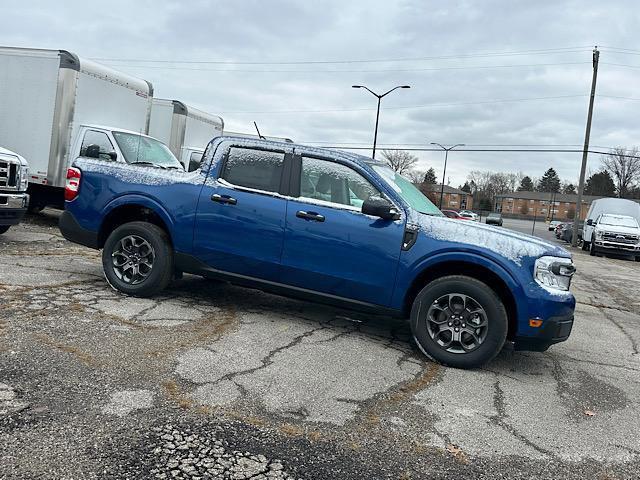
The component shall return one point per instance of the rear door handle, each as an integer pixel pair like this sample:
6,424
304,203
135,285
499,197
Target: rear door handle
223,199
310,216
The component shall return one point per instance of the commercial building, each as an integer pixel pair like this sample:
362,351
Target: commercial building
560,206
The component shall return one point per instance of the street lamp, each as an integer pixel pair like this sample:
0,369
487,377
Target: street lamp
446,154
375,135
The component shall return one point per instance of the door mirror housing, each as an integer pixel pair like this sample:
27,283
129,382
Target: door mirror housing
589,222
112,155
380,207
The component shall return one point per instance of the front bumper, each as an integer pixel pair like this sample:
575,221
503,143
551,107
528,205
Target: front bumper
553,330
13,207
617,247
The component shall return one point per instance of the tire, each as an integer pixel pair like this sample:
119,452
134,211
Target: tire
4,228
150,247
592,248
430,302
638,258
585,245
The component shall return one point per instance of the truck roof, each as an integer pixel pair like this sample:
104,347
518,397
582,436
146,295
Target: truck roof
72,61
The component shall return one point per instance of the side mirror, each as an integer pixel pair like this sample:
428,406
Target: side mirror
93,151
193,165
379,207
589,222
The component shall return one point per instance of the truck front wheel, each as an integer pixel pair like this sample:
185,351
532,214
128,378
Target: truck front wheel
137,259
4,229
459,321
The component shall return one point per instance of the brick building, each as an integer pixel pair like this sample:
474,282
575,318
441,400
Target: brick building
453,198
542,204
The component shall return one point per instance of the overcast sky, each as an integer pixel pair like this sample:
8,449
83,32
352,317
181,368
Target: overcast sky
314,102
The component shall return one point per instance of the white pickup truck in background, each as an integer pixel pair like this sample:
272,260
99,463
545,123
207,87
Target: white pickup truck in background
48,99
14,200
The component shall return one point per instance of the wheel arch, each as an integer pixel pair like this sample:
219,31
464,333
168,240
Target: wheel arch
134,209
484,270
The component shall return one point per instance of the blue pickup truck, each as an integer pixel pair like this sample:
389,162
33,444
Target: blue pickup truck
325,226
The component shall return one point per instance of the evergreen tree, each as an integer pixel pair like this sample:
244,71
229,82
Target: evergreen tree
550,182
600,184
569,188
430,177
466,187
526,185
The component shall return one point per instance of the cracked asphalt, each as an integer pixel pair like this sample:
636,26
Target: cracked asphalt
215,381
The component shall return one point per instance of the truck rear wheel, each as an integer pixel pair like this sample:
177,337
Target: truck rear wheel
4,228
459,321
137,259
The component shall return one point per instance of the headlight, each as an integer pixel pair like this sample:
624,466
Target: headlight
24,177
554,272
598,234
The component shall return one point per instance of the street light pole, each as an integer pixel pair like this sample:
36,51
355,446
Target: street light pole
444,173
375,134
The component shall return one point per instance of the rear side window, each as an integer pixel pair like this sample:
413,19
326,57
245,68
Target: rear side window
257,169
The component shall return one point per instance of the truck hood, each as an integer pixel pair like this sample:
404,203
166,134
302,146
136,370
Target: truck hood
511,245
8,153
618,229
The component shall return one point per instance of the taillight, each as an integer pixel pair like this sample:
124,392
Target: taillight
73,184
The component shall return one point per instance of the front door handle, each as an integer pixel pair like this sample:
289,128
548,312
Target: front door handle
310,216
223,199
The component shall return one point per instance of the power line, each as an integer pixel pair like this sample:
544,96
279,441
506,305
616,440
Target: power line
548,51
429,69
430,105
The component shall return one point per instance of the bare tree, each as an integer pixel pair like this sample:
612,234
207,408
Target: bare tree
416,176
400,160
624,167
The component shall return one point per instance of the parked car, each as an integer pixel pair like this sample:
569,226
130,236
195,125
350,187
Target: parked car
553,224
558,229
469,214
614,206
14,177
566,233
455,215
327,226
615,234
494,218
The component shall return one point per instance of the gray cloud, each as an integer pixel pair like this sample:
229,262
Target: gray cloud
336,30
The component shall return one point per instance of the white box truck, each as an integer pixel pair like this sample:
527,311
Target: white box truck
184,129
48,100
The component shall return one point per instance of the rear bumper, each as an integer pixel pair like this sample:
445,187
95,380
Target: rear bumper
553,330
72,231
13,206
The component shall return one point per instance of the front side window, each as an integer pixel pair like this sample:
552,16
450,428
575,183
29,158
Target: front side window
256,169
96,145
334,183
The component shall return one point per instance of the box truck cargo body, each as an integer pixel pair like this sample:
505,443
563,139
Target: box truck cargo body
46,96
184,129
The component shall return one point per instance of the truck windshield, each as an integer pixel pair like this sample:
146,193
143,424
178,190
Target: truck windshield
407,190
139,149
619,221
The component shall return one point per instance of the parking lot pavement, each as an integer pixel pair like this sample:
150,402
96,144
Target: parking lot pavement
210,380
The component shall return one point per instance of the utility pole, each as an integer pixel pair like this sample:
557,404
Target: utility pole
587,134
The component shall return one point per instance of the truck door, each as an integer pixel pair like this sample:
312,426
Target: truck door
330,246
241,213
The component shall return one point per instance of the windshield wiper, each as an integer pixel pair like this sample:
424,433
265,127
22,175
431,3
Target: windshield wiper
151,164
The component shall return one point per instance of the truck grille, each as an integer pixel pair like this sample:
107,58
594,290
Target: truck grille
8,174
620,238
